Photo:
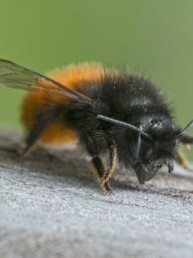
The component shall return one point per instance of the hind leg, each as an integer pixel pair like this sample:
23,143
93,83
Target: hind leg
43,119
32,138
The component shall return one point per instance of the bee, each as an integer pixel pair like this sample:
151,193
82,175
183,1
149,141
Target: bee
113,115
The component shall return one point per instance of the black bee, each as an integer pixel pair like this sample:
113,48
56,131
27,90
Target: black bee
114,115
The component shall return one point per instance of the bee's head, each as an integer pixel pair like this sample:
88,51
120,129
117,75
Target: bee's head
152,143
151,154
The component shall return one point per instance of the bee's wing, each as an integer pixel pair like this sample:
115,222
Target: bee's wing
16,76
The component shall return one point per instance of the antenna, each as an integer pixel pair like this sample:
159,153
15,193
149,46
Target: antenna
186,128
120,123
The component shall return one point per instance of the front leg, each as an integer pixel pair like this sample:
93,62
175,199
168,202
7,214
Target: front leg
183,162
102,172
180,159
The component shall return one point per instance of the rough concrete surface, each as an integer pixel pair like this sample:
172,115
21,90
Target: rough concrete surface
51,206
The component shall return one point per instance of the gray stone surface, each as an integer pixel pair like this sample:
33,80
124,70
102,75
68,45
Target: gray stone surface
51,206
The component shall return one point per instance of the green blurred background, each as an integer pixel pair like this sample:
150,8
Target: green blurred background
152,37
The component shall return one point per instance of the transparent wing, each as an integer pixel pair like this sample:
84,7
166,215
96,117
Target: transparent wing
16,76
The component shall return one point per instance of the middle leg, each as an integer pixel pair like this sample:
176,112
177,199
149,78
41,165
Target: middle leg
102,171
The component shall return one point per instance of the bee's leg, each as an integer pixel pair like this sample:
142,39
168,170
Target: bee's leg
99,171
182,161
32,138
186,140
111,161
102,173
42,121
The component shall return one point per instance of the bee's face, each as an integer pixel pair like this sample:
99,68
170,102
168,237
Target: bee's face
154,158
157,154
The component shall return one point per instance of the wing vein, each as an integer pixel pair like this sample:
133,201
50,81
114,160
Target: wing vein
16,76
